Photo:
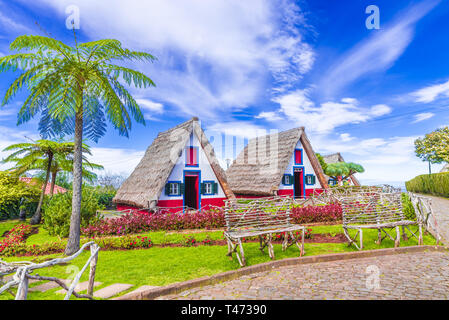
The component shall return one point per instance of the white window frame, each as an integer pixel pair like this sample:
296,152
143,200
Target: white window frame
174,189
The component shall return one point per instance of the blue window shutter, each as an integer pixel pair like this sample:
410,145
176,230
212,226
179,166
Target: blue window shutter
181,189
215,188
167,189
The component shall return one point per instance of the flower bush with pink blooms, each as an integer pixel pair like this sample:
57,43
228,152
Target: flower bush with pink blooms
205,219
313,214
14,242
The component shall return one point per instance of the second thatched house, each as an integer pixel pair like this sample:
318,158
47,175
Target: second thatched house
277,164
334,158
178,170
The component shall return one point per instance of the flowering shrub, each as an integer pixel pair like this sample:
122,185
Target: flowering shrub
205,219
189,241
142,222
312,214
207,241
14,242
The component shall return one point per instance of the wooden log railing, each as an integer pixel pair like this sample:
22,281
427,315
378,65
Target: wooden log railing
22,273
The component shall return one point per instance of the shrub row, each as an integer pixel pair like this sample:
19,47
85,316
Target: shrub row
436,184
206,219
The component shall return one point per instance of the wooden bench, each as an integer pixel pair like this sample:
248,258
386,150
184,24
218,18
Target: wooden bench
376,210
260,218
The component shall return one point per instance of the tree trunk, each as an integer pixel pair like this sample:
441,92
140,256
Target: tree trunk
73,242
36,218
53,182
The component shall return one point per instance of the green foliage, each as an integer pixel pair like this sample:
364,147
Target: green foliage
15,194
83,79
58,209
434,147
105,196
322,162
407,207
436,184
343,169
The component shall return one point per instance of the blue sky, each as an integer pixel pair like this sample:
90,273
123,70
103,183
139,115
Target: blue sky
244,67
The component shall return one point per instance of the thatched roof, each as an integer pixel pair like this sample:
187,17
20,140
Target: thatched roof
259,172
337,157
144,187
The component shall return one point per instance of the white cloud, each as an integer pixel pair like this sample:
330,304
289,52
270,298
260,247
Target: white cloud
423,116
212,55
380,110
386,160
116,160
431,93
269,116
345,137
378,52
298,108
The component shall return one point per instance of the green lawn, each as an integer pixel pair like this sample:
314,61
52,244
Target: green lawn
161,266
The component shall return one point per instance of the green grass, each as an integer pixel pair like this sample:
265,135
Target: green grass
161,266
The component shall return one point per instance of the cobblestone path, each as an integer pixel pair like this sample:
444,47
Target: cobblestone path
402,276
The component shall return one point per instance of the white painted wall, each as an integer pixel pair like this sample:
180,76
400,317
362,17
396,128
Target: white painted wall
308,169
207,174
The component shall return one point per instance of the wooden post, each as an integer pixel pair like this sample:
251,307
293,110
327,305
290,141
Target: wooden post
398,237
361,239
22,290
93,268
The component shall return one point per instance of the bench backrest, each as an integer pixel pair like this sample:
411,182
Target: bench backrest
372,208
257,213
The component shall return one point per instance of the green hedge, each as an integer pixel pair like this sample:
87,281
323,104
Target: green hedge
436,184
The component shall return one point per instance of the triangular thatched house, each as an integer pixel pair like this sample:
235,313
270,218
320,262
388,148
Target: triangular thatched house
334,158
178,170
277,164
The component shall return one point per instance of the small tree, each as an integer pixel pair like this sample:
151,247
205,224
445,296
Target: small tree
434,147
343,170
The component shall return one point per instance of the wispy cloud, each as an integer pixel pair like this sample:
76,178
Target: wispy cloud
378,52
214,55
423,116
300,110
431,93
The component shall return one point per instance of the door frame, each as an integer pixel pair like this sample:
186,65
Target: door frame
192,172
303,181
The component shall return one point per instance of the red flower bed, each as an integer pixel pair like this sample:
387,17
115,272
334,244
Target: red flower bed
206,219
14,241
313,214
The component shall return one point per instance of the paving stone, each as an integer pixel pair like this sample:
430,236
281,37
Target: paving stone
45,286
404,276
140,289
111,290
79,287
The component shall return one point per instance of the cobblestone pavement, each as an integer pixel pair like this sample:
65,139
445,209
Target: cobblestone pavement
403,276
440,208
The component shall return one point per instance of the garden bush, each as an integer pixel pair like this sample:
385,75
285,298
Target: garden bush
15,194
58,209
407,207
436,184
205,219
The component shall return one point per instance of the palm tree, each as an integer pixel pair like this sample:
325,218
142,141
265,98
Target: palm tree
71,81
37,155
64,163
